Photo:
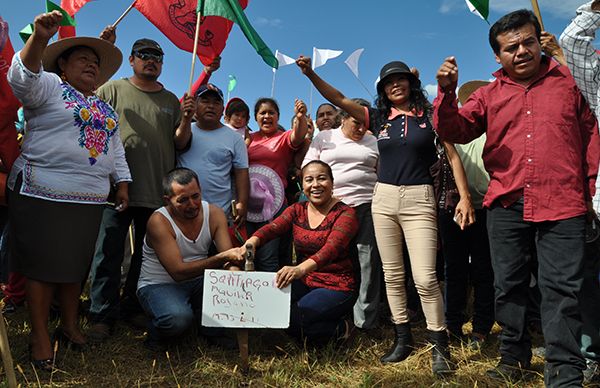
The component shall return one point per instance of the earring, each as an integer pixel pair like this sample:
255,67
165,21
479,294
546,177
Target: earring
63,77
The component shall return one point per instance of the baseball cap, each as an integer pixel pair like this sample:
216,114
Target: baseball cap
209,88
146,44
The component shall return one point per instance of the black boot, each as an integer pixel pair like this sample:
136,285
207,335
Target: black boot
403,344
440,355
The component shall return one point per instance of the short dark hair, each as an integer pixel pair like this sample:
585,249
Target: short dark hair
319,162
265,100
326,104
180,175
359,101
511,22
237,106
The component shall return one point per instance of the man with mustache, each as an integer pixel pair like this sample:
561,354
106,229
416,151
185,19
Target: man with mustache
542,153
151,122
215,153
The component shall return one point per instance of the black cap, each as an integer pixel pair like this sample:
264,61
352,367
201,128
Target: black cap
395,67
146,44
209,88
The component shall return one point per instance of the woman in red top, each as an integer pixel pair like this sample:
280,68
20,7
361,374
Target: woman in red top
323,282
275,149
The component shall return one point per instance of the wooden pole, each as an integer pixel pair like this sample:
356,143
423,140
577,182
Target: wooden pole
536,11
6,355
124,14
242,334
198,19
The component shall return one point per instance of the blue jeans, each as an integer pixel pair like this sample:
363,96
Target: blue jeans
172,307
560,252
317,314
457,246
369,293
105,272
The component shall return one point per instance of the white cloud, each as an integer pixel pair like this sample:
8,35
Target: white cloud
431,90
561,8
262,21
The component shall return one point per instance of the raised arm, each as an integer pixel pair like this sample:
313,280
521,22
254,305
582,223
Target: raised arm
451,124
582,59
183,133
299,127
45,26
330,93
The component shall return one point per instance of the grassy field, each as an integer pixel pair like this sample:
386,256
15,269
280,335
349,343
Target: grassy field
275,361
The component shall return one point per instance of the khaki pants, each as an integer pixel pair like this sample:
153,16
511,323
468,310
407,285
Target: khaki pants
408,212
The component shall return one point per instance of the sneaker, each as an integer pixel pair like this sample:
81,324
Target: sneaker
505,372
98,332
591,374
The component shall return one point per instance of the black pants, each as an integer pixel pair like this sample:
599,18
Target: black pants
460,272
560,251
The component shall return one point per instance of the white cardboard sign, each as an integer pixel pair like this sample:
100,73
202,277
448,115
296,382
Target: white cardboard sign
244,299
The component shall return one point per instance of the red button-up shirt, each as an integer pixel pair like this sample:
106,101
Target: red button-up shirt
542,141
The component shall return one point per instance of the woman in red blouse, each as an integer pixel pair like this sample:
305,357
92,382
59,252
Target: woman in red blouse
323,282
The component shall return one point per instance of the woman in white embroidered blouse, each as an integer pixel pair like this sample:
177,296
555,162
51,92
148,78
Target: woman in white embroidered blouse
59,183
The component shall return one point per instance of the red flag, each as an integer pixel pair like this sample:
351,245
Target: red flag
9,148
177,20
71,6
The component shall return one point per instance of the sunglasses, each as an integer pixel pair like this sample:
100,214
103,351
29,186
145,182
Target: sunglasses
145,56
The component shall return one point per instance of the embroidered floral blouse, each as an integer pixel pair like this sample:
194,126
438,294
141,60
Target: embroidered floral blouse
71,145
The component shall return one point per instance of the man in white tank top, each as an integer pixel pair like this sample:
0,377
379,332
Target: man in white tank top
175,255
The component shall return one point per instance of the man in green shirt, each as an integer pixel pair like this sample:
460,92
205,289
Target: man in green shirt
152,128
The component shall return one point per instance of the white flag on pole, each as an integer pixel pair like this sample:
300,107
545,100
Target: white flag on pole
352,61
283,59
321,56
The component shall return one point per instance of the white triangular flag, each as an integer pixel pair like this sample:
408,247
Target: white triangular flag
283,59
321,56
352,61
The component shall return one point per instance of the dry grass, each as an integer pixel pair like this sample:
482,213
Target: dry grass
275,361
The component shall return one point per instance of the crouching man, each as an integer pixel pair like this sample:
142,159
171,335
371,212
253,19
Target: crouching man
175,255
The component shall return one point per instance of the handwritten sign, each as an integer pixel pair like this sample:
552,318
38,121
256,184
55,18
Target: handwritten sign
244,299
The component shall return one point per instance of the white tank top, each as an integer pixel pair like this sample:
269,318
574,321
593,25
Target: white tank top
153,272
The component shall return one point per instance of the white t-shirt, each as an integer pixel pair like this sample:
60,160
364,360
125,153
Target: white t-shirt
353,163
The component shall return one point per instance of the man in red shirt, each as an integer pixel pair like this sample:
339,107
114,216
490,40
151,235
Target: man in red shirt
542,154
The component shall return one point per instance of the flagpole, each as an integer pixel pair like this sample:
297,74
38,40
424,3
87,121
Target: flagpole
366,89
124,14
273,84
198,20
310,100
536,10
228,92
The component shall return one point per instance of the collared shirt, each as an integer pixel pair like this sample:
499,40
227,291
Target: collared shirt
406,146
584,61
542,141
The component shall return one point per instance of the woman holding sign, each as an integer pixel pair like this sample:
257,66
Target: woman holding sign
323,282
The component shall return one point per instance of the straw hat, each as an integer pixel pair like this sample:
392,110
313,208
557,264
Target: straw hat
465,91
110,56
266,193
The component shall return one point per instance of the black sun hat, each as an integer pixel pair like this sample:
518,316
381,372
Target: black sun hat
395,67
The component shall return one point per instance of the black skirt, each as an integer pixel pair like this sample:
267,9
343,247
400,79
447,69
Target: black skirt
51,241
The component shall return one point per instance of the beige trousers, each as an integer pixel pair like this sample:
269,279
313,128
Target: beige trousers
408,212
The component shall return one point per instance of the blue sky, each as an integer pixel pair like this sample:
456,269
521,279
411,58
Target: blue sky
421,33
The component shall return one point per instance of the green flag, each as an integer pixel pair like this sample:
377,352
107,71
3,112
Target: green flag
480,8
232,83
26,32
231,10
66,20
